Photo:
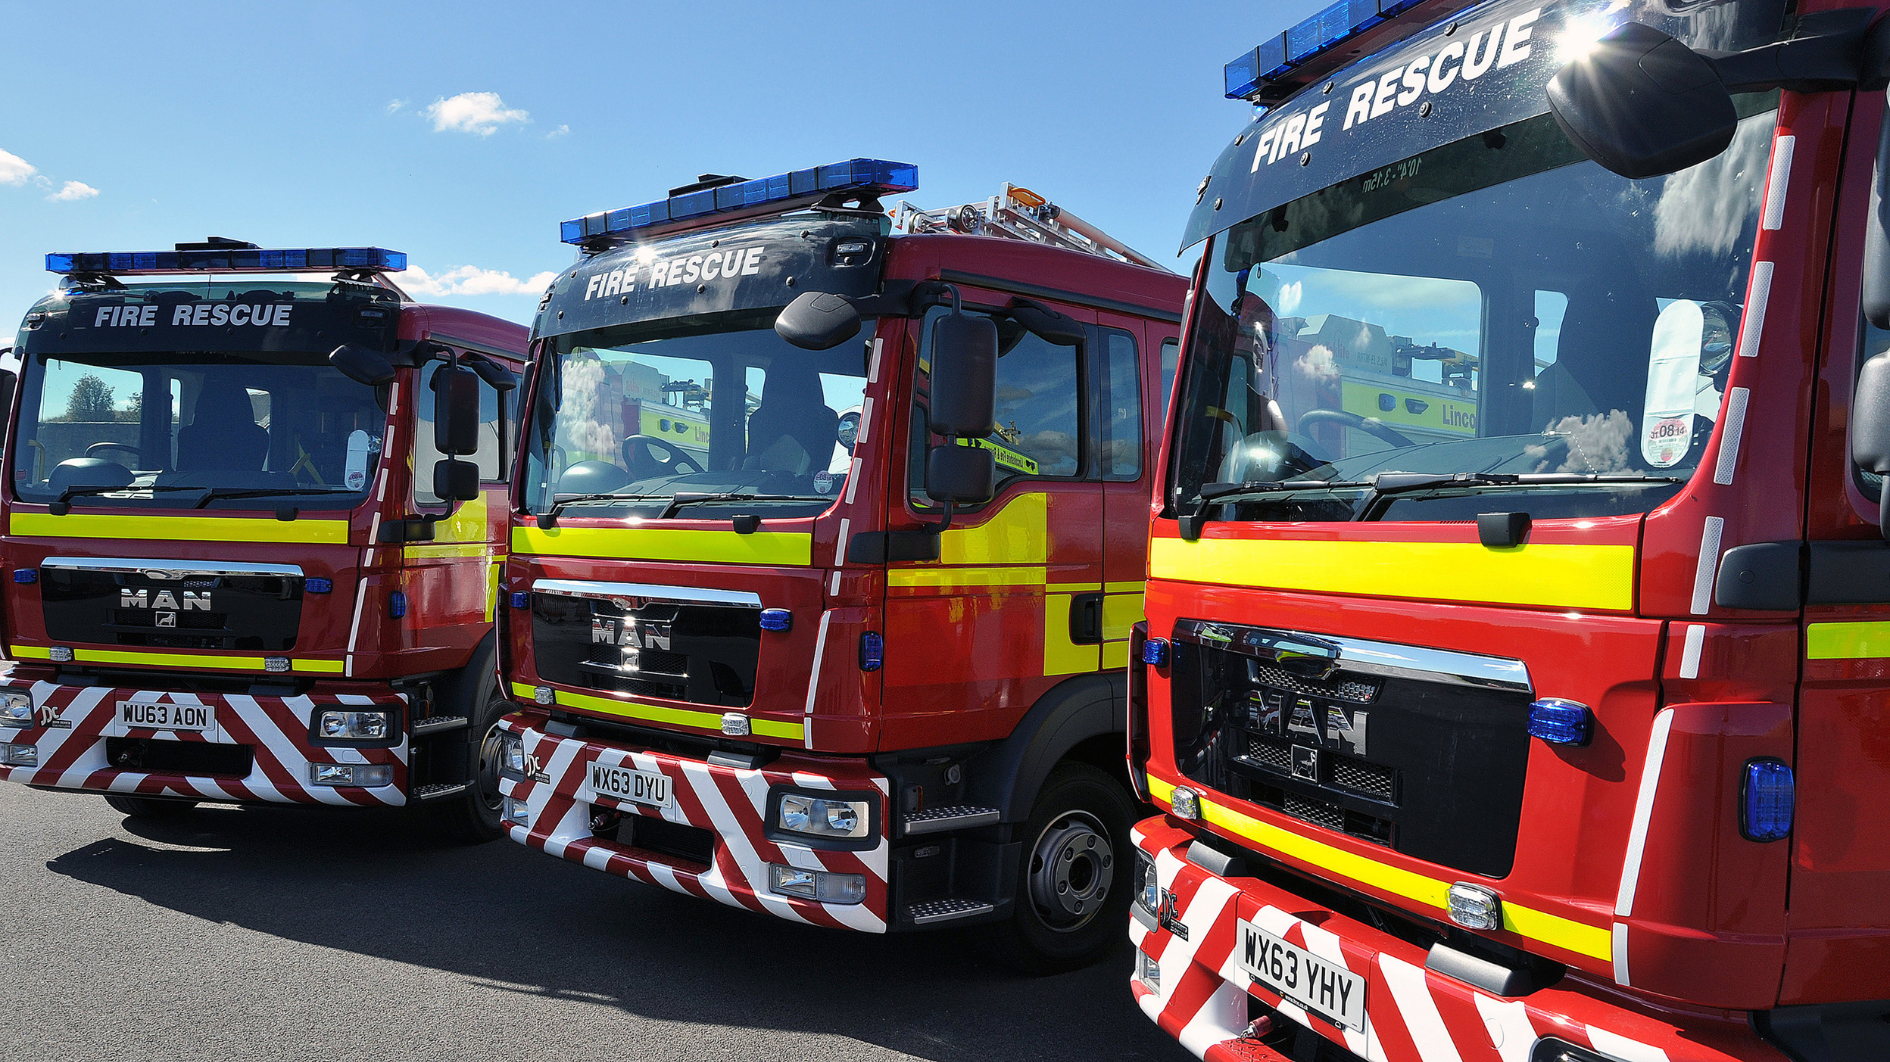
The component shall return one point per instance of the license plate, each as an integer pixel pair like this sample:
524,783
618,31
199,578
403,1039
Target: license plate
1297,975
151,715
638,787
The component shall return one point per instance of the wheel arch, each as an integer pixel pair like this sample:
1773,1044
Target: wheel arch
1082,718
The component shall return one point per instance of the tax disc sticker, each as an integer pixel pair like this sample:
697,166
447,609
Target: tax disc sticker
823,482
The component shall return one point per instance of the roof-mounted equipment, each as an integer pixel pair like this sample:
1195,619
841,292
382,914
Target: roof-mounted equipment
221,255
1017,213
1329,40
853,184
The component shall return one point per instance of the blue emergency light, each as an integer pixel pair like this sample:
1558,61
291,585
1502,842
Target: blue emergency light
1326,30
230,260
782,192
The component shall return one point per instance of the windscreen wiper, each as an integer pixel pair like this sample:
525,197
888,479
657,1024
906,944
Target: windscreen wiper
682,498
1387,484
1216,491
549,518
62,505
213,493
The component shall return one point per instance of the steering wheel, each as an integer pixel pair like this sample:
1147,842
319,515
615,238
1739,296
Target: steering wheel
92,450
678,457
1368,425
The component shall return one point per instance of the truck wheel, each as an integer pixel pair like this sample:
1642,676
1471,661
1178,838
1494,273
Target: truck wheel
148,807
472,817
1072,890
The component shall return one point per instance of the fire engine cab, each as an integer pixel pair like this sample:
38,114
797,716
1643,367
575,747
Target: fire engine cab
1515,665
826,545
253,522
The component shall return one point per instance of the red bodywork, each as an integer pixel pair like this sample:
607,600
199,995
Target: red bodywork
1630,868
971,642
350,649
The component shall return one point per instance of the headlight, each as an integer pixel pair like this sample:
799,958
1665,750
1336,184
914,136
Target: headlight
351,774
16,709
18,756
512,758
822,816
517,812
816,884
353,725
1148,890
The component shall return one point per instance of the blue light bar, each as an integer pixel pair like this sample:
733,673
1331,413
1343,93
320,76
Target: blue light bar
782,192
1766,801
1561,722
1336,24
230,260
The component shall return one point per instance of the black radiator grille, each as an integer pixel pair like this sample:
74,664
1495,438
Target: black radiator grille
681,651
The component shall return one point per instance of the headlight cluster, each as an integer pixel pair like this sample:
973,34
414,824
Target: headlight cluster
366,775
16,709
816,884
1148,889
351,725
511,754
823,816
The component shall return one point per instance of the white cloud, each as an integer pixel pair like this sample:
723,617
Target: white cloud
394,106
473,112
14,169
472,280
563,130
73,191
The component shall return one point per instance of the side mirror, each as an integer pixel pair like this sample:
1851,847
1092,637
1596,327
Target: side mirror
1870,429
960,475
964,353
455,410
816,320
1643,104
455,480
362,365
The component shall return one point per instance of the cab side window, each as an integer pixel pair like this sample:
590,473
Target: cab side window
496,435
1122,407
1040,407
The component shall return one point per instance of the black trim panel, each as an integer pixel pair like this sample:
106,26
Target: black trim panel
1078,298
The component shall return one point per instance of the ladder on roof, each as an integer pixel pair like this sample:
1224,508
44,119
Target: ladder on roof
1021,214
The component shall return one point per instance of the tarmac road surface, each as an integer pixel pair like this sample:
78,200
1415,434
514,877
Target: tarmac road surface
313,935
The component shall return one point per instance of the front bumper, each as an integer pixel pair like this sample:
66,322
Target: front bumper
1207,1001
730,803
74,723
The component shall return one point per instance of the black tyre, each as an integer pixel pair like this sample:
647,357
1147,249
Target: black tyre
148,807
1073,885
472,817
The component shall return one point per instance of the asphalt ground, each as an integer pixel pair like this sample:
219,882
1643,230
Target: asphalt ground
318,935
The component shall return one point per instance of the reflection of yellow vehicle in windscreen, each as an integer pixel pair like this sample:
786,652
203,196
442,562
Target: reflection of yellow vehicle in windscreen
1378,379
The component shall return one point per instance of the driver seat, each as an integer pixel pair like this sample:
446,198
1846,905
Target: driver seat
791,426
223,434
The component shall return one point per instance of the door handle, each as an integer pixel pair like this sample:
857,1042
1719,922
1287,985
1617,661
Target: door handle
1086,619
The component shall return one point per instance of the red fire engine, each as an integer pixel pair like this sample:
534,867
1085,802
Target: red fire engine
855,658
1518,621
253,528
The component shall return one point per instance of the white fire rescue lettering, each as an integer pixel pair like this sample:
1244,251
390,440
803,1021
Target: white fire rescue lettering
203,315
665,272
1500,46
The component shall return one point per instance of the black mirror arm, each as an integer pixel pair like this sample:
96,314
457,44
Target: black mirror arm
946,520
1834,50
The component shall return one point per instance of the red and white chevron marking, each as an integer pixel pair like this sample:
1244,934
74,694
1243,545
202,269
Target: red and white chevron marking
1412,1014
729,802
275,728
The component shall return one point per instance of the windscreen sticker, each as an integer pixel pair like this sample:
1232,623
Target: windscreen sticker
1004,455
669,272
354,472
1457,63
1673,366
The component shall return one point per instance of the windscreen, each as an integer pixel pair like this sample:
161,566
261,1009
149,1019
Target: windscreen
703,423
203,429
1497,309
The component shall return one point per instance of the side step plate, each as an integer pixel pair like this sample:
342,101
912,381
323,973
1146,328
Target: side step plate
933,912
954,817
438,724
440,791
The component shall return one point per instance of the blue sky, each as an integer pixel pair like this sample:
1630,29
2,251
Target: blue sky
463,133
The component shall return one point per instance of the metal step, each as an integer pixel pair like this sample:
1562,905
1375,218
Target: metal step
951,817
934,911
440,791
438,724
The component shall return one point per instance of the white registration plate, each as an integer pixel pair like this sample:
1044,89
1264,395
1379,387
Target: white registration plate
155,715
638,787
1297,975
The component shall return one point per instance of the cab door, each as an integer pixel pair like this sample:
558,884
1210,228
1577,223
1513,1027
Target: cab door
1013,604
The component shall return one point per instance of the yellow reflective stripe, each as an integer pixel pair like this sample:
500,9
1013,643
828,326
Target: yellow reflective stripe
654,714
1847,641
120,656
180,528
1115,655
457,549
1120,613
1061,656
644,543
963,577
1015,534
318,667
1133,586
1548,575
1551,929
30,652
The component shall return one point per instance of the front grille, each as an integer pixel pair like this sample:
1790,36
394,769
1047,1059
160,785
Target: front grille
1362,777
258,613
681,651
179,757
1344,689
1271,752
672,839
1331,816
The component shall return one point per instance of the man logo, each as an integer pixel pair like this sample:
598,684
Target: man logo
194,600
